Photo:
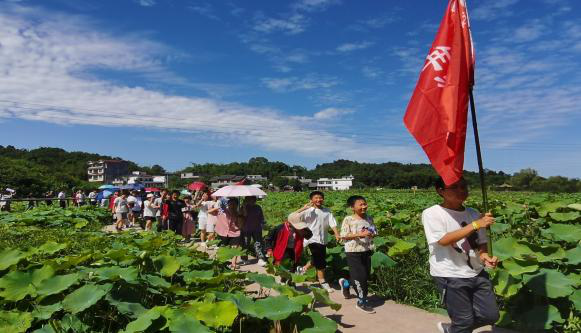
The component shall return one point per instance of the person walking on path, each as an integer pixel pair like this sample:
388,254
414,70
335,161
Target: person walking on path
286,241
203,205
135,203
213,211
175,214
252,229
228,225
358,230
121,209
158,204
457,242
319,219
93,198
189,226
149,211
62,196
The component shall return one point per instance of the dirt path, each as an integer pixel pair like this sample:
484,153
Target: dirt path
390,317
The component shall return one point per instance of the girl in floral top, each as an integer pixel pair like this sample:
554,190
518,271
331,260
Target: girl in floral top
358,231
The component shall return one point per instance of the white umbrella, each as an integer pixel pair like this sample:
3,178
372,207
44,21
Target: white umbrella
239,191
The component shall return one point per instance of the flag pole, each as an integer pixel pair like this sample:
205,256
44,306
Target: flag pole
480,167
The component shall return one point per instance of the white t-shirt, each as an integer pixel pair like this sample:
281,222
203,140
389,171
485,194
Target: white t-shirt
452,260
319,221
158,202
136,203
204,207
148,211
61,195
92,195
120,205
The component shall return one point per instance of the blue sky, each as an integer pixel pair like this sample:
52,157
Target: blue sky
172,82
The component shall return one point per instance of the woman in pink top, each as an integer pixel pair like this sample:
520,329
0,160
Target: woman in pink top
228,227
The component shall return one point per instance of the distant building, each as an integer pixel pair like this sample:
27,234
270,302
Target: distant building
106,171
140,177
226,180
189,175
256,178
340,184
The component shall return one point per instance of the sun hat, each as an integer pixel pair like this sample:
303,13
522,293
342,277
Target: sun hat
296,220
150,195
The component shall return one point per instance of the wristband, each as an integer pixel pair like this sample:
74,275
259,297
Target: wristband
475,225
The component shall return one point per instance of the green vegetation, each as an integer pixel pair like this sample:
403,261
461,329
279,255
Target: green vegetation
60,273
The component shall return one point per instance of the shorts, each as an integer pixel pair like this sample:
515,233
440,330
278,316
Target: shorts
318,255
121,216
202,221
230,241
207,225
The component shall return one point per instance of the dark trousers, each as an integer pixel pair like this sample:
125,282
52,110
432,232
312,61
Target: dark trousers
252,241
63,203
176,225
359,272
161,224
470,302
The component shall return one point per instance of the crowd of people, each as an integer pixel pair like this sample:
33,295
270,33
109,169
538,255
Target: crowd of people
455,234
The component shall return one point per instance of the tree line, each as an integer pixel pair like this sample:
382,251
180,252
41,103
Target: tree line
37,171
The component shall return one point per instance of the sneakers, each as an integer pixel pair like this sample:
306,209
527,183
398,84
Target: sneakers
363,306
443,327
261,263
344,284
300,270
243,262
327,287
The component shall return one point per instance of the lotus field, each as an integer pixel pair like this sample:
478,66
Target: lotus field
59,272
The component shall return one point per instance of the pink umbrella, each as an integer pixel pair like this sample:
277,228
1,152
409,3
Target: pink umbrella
197,186
239,191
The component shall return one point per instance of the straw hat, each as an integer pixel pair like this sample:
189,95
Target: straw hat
296,220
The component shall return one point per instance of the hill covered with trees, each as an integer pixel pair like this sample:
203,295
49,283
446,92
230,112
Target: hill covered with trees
39,170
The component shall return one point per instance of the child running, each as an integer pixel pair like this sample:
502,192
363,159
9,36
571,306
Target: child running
457,241
358,230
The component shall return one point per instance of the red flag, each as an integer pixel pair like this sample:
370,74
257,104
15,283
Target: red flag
437,113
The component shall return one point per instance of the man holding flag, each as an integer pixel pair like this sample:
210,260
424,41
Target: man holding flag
436,116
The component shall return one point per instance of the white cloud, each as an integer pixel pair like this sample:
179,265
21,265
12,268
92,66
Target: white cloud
331,113
314,5
205,10
348,47
311,82
46,61
491,10
292,25
529,32
147,3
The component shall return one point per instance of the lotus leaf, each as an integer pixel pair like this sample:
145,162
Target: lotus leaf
574,256
548,253
505,284
400,247
575,298
550,207
509,247
80,222
14,321
219,314
314,322
498,227
85,297
45,312
379,259
565,217
144,320
168,265
226,253
541,317
517,267
114,273
549,283
180,321
276,308
198,276
302,299
322,296
56,284
287,290
563,232
156,281
18,285
51,247
575,206
10,257
265,281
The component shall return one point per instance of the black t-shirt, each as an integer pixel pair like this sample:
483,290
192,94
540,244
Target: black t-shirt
175,209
